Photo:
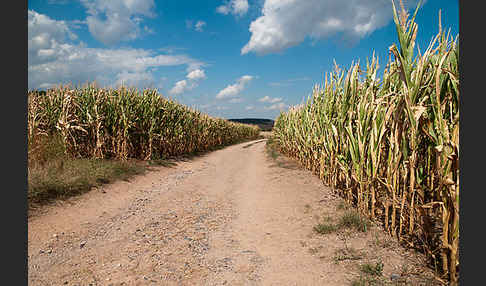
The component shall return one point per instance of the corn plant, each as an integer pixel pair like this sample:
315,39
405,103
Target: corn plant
390,146
125,123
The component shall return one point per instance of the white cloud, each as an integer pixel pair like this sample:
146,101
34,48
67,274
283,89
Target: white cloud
234,89
284,24
113,21
279,106
180,87
270,99
127,78
45,37
54,58
223,9
186,85
196,74
235,7
249,107
199,26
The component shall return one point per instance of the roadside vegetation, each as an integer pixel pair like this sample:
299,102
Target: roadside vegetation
390,146
86,136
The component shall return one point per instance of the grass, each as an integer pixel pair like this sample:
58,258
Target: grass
325,228
342,205
367,281
161,162
372,274
52,174
273,152
271,148
347,254
63,178
384,243
373,269
350,219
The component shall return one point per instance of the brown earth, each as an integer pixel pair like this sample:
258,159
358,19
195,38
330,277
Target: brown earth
231,217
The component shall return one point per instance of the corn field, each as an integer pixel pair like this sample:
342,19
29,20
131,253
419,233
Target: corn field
124,123
390,147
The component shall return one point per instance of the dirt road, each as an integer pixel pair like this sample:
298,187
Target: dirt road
232,217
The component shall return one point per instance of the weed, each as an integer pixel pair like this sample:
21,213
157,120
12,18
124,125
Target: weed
67,177
323,228
161,162
385,243
374,270
353,219
347,254
271,148
367,281
341,206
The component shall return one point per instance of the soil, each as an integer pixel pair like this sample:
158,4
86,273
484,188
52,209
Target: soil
235,216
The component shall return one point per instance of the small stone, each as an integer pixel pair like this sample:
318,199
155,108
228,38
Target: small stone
394,277
82,244
49,251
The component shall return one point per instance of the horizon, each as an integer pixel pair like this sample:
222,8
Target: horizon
252,59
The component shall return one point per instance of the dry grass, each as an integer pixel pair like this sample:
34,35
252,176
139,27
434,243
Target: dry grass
63,178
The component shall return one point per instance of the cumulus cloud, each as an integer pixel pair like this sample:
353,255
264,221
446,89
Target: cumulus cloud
199,26
284,24
186,85
235,7
196,74
45,37
54,58
180,87
127,78
113,21
270,99
234,89
277,106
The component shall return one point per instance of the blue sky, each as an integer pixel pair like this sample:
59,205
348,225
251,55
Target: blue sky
227,58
